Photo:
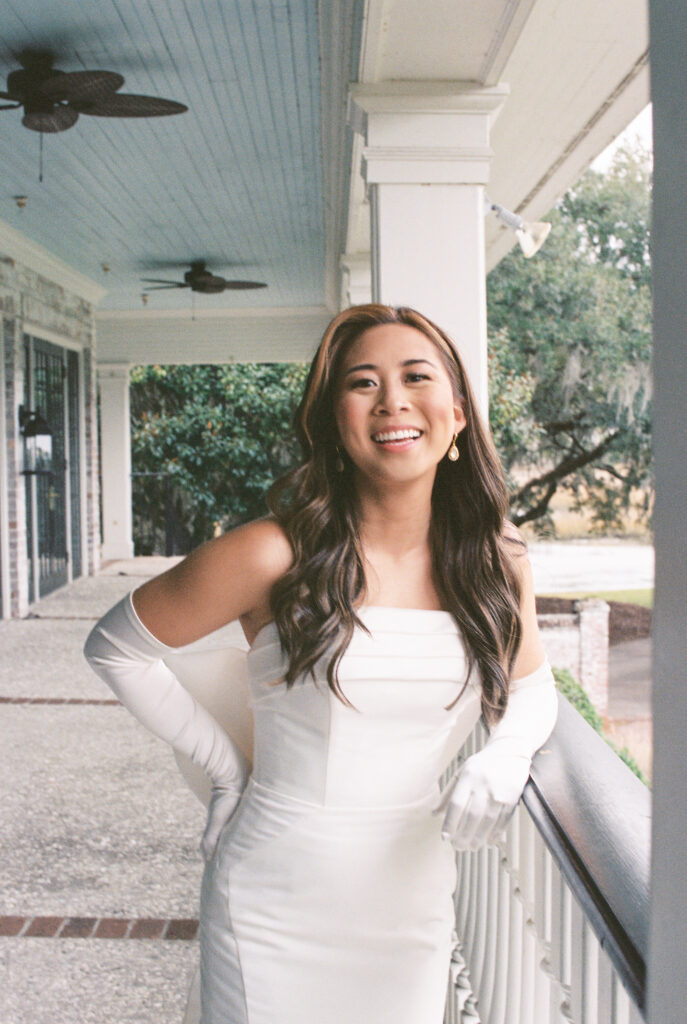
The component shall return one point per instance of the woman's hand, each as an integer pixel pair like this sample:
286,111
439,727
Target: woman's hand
479,804
223,802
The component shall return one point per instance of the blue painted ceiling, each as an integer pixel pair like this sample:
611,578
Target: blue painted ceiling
237,180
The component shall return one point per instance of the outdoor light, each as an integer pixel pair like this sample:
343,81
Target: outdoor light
530,237
37,443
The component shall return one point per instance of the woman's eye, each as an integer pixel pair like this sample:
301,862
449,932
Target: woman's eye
417,376
362,382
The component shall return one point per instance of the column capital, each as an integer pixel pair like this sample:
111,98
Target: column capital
113,371
356,271
426,132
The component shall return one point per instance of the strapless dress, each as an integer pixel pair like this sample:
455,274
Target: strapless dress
329,897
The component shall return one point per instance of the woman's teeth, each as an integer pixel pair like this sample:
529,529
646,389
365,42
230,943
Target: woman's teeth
395,435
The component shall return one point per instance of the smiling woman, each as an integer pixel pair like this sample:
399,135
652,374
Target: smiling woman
387,602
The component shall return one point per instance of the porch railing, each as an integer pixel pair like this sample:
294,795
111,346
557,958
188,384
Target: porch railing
553,922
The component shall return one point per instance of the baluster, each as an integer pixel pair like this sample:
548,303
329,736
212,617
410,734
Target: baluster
491,938
480,933
497,1009
605,1002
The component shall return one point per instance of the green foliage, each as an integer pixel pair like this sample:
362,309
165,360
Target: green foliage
221,433
573,692
570,349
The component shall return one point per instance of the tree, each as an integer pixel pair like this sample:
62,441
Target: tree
215,437
570,347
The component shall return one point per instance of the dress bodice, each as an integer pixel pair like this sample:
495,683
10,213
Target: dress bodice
402,678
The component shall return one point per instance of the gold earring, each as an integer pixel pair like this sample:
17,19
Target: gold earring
339,464
453,452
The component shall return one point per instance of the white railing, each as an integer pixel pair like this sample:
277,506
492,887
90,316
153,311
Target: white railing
534,925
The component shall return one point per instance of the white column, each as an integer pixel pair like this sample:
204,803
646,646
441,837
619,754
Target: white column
667,978
356,279
426,162
115,457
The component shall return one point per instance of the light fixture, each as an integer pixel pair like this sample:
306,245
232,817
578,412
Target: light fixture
21,201
37,442
530,236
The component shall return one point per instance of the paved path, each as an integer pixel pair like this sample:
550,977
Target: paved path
99,846
100,835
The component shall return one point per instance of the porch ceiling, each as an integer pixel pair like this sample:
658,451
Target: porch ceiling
261,176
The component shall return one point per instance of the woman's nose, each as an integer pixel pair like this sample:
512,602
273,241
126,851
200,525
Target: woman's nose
392,398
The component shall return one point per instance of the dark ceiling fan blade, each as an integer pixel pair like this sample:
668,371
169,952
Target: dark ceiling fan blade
239,285
129,105
163,280
11,106
82,86
57,120
165,287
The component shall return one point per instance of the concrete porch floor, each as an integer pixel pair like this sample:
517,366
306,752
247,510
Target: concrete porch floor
100,829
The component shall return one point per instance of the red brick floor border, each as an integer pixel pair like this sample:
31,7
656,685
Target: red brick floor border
15,926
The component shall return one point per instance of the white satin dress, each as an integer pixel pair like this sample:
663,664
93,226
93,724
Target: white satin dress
329,897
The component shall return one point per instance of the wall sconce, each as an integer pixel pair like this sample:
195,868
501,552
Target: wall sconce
530,236
37,437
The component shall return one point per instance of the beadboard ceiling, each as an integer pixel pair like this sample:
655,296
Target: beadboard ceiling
261,177
237,180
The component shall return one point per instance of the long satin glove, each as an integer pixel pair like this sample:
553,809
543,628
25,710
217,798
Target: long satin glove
488,786
128,658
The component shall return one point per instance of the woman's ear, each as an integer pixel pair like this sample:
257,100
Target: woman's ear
459,416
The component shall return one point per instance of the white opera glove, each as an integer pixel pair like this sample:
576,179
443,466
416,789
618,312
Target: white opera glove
128,658
488,786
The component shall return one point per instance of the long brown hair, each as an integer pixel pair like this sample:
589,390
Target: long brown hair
314,603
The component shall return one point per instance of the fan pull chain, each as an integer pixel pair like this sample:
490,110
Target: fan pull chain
40,157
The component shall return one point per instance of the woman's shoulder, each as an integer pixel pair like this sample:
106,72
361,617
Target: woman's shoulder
227,578
517,545
261,545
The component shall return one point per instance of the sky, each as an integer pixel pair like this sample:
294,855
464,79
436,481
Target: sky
640,129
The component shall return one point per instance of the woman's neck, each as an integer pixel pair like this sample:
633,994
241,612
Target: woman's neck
395,520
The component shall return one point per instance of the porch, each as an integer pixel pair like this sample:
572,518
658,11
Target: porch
101,869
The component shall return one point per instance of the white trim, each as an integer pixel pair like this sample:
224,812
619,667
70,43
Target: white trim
426,97
39,259
83,465
36,330
67,469
149,316
5,610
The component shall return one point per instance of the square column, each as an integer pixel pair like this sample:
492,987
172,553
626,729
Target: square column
115,459
426,162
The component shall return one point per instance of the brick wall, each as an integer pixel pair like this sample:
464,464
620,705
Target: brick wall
31,302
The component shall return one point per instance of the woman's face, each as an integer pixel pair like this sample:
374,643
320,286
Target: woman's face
395,409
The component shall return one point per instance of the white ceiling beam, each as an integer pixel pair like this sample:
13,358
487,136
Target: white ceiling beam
265,335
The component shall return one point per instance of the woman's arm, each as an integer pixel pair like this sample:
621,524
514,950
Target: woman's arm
227,578
489,784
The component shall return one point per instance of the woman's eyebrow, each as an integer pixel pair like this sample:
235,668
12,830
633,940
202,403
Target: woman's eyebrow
371,366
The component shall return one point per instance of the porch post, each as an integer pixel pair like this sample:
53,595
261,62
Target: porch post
115,460
667,978
426,162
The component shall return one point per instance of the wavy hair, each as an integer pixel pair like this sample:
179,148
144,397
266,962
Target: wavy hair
314,604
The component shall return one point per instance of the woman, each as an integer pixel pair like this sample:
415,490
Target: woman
386,602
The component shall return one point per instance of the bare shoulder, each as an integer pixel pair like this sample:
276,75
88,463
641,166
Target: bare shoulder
225,579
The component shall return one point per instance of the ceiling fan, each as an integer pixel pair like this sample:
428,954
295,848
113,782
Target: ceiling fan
200,279
53,99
